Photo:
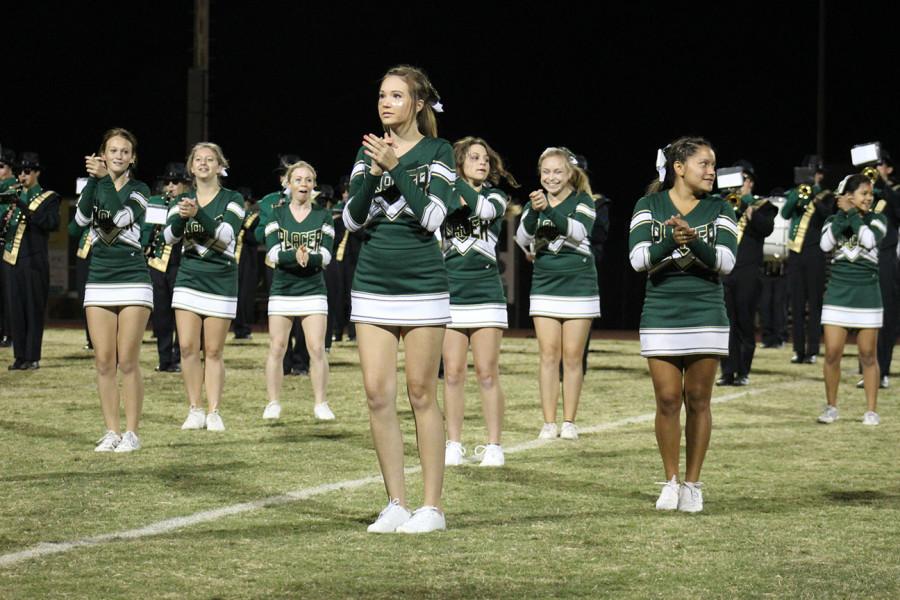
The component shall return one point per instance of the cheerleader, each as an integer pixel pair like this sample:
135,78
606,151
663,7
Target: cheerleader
685,239
399,188
477,301
118,295
853,295
299,239
206,220
565,296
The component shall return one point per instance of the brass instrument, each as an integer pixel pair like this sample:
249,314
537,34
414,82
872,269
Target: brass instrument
734,197
161,263
872,173
804,191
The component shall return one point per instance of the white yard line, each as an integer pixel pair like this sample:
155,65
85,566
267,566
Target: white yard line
161,527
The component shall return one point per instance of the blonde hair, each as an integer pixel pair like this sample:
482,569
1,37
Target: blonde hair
461,148
215,148
300,164
578,179
420,88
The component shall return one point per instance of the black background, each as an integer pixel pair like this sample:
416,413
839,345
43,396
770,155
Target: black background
610,82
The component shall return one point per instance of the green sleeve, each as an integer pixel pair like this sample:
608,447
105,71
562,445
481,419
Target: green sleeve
429,205
362,189
529,219
84,208
265,214
878,224
640,237
176,223
317,259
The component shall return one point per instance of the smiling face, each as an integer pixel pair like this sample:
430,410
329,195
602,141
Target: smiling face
556,174
477,165
302,182
698,171
396,106
205,164
118,153
863,196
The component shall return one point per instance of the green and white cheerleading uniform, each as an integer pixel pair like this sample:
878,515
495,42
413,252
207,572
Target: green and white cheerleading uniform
207,281
684,305
853,296
564,283
400,276
118,273
470,254
296,290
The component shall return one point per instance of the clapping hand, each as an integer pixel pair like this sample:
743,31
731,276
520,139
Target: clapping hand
95,166
539,200
683,233
381,151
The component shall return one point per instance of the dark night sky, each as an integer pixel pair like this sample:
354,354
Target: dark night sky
303,78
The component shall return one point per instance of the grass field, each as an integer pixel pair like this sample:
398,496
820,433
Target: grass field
793,509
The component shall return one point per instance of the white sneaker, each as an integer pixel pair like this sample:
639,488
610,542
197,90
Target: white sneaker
214,421
108,442
273,410
491,455
130,442
690,498
323,412
196,419
871,418
548,432
453,454
390,518
885,382
829,415
668,497
424,520
568,431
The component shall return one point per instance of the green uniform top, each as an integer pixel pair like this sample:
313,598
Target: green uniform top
561,233
854,237
685,277
7,183
210,235
8,211
403,207
284,235
472,229
266,204
115,216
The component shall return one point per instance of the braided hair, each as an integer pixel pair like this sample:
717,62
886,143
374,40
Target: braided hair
678,151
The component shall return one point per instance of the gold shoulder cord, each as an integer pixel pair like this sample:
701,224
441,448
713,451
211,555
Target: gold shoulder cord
86,245
796,244
161,263
742,222
12,255
240,240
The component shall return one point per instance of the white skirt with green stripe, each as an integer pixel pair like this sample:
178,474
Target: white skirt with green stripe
298,306
684,341
204,303
118,294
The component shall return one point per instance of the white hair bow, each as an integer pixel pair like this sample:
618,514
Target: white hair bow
661,164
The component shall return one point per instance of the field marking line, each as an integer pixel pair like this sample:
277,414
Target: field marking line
175,523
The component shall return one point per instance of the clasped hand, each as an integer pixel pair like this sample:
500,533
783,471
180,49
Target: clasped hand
95,166
302,256
381,151
187,208
539,200
683,233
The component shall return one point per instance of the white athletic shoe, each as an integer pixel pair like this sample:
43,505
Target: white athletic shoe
214,421
829,415
196,419
871,418
548,432
568,431
424,520
390,518
491,455
273,410
668,497
108,442
690,498
130,442
453,454
323,412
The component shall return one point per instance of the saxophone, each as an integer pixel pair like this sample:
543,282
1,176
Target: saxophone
160,263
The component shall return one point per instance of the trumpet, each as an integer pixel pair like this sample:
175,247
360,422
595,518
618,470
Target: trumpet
804,191
734,197
871,173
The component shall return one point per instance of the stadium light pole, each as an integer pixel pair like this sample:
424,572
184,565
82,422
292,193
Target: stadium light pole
198,78
820,91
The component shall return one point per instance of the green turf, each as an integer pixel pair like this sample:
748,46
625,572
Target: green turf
793,509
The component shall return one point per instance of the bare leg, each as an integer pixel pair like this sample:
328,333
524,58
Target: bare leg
486,354
867,343
314,332
378,360
215,330
835,338
456,352
132,323
279,330
699,376
422,350
189,327
668,388
549,335
103,328
574,336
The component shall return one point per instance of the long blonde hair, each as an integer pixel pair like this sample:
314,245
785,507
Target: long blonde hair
578,179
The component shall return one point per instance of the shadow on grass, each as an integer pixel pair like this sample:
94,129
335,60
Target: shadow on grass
49,433
863,498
